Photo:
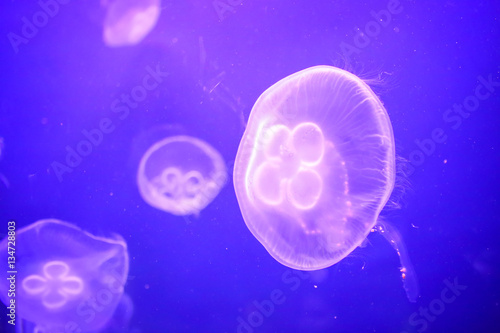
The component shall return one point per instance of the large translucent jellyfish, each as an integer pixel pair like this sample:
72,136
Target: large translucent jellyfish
128,22
60,277
315,167
181,175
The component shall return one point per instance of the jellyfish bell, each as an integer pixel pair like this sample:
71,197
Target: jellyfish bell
58,269
181,175
315,167
128,22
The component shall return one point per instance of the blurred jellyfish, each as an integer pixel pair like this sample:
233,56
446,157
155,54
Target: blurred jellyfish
181,175
3,179
128,22
120,323
66,279
315,167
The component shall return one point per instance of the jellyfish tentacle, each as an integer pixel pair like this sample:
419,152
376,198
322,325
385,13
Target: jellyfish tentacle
408,275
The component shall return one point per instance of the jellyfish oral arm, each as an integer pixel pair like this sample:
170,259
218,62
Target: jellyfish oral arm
408,275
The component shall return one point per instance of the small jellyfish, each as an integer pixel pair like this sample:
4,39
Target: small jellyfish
2,145
65,278
3,179
128,22
181,175
315,167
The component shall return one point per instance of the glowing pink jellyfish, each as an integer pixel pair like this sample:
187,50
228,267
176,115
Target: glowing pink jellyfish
315,167
65,278
128,22
181,175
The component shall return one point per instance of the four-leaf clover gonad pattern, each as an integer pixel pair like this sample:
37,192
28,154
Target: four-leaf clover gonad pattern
55,285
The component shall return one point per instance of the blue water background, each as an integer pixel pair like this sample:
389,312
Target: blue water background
200,274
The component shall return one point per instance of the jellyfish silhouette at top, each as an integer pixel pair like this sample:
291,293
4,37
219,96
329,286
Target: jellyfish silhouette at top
181,175
128,22
66,280
314,169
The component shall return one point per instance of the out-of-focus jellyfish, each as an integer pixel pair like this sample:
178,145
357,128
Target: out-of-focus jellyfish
64,279
127,22
181,175
315,167
120,323
3,179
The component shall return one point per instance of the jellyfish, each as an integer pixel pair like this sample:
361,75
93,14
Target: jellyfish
3,179
128,22
315,167
181,175
61,278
